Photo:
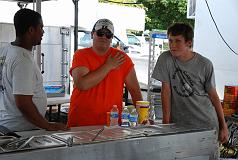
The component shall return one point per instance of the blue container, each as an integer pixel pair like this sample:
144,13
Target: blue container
55,90
160,35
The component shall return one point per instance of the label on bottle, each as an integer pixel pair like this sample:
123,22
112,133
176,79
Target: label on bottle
125,116
114,115
133,118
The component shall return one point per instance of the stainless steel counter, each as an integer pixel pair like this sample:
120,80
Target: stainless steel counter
159,142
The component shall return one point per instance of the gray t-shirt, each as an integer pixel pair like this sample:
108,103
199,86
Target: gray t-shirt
190,82
19,74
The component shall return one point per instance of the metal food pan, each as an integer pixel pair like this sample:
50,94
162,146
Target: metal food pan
6,139
98,135
112,133
34,142
160,129
79,137
163,129
149,129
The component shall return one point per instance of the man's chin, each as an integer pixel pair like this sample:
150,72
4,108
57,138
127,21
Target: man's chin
37,43
174,53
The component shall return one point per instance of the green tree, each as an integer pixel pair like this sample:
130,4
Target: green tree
161,13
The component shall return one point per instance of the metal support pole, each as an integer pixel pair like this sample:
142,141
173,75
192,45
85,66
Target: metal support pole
38,47
151,51
75,24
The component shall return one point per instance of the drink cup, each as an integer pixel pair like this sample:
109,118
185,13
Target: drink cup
143,110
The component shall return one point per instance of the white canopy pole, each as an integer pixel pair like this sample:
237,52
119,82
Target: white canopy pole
38,47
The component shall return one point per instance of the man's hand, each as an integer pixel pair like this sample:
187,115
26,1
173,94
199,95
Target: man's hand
114,61
223,134
148,122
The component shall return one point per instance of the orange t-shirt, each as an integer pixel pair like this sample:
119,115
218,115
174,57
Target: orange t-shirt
90,107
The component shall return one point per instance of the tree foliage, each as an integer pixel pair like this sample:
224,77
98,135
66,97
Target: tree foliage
159,13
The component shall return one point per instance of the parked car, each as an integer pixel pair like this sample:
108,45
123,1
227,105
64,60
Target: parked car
134,43
85,40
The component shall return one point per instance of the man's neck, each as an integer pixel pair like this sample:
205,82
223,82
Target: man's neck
100,51
20,42
186,57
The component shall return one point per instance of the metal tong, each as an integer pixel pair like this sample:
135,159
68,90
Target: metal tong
100,131
69,141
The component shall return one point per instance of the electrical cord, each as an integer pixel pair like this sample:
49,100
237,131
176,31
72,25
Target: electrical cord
218,29
123,2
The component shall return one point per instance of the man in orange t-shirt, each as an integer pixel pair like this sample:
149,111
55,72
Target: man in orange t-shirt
99,74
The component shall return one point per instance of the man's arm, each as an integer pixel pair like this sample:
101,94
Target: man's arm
166,104
133,87
84,79
223,130
30,112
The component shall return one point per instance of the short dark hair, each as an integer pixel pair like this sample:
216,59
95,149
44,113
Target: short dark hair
25,18
183,29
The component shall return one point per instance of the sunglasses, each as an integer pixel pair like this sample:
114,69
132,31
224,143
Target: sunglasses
101,33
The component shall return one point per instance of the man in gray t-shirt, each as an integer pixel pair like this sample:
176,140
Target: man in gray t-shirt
188,91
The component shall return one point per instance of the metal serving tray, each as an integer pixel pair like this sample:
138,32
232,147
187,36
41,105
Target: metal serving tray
117,132
98,135
6,139
34,142
148,130
79,137
164,129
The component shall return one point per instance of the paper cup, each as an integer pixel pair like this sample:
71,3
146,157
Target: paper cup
143,110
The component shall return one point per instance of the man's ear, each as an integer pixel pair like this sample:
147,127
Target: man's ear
92,35
30,29
190,43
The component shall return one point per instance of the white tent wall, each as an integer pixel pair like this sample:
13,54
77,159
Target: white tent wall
130,17
209,43
8,9
123,18
87,13
58,13
55,13
61,13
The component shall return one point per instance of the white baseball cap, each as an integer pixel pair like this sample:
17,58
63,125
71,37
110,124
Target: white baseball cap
103,24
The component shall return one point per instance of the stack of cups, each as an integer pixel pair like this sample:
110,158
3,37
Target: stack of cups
142,108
